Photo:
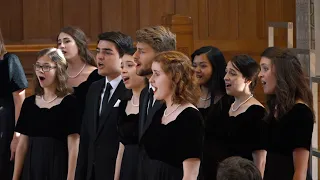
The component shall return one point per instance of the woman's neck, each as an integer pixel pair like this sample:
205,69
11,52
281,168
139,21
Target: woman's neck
49,92
75,64
242,98
204,91
136,91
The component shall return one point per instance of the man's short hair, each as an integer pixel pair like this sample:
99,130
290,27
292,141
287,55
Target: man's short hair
123,42
237,168
159,38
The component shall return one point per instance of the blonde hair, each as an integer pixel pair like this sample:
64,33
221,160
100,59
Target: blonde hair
2,47
179,68
159,38
56,56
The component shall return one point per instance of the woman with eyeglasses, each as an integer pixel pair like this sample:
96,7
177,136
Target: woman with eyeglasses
48,123
13,83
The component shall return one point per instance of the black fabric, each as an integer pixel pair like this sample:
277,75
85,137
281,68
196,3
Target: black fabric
80,92
175,142
127,125
98,149
128,132
212,119
293,130
228,136
105,100
48,130
12,78
150,97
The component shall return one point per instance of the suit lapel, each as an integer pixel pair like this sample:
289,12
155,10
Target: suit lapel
157,105
105,112
143,111
96,103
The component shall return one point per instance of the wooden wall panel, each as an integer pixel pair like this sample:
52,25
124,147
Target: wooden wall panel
223,19
38,20
11,21
234,26
76,13
248,19
151,11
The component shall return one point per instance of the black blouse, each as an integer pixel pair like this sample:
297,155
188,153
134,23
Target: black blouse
57,122
178,140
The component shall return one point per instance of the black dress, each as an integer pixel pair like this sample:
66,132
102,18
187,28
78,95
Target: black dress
47,129
175,142
291,131
213,116
128,133
234,136
12,78
80,92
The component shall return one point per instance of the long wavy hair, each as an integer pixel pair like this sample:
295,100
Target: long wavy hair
61,74
179,68
82,43
291,82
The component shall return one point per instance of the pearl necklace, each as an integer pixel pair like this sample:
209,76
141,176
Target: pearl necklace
241,103
50,100
165,111
205,99
78,72
135,105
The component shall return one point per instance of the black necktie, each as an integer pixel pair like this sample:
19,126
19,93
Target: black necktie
105,100
106,96
150,100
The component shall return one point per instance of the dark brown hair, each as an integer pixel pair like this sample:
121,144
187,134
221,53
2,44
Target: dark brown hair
82,43
61,72
184,84
238,168
291,82
2,47
122,41
159,38
248,67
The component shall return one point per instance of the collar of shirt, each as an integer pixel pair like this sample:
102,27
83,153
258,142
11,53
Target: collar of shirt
114,82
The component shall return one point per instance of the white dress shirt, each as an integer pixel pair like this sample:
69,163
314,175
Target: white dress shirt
114,84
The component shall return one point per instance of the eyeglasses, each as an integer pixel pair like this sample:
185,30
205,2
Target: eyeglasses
45,68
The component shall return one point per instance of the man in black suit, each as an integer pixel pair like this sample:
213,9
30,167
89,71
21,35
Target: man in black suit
150,42
99,140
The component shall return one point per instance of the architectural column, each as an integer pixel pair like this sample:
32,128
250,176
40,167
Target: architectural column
305,39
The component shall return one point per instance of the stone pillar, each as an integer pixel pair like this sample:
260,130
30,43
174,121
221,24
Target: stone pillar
305,34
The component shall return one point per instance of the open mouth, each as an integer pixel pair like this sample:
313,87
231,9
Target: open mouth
64,52
199,76
138,65
154,89
41,78
100,65
263,83
228,85
125,79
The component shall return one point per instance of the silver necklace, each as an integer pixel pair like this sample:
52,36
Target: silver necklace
50,100
78,72
135,105
241,103
205,99
165,111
